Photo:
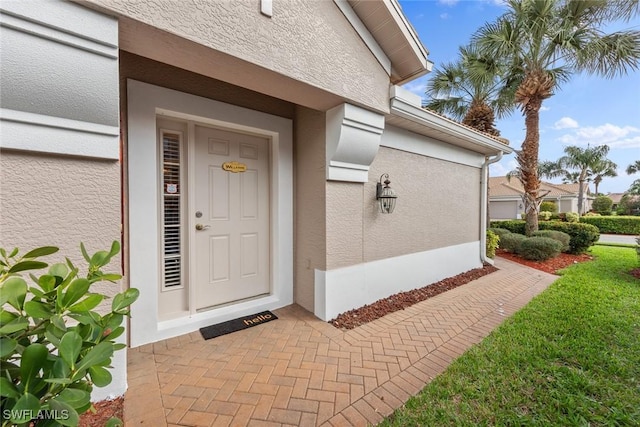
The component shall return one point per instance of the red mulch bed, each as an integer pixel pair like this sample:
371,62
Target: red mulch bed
549,266
359,316
635,273
105,409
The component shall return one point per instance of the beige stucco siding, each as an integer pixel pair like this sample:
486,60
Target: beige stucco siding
438,206
310,244
157,73
308,41
60,201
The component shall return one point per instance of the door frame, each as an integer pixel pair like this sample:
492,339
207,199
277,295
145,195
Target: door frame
145,103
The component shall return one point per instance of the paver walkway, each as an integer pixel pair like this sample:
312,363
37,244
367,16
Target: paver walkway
301,371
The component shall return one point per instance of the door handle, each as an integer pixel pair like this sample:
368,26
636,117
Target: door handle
201,227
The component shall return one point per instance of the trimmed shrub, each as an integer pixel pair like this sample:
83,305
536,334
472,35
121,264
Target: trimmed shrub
514,225
539,248
544,216
582,235
511,242
500,231
492,243
561,237
592,214
572,217
602,205
548,207
614,224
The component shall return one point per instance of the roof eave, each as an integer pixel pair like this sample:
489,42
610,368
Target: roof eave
410,60
468,138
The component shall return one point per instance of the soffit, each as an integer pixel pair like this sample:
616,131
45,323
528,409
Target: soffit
427,123
395,35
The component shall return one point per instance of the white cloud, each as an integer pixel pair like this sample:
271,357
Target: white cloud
444,16
565,123
543,108
448,2
611,135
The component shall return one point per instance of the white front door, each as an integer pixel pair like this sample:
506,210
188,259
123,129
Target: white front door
232,241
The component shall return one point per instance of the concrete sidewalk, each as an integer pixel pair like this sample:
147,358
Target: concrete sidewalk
617,238
301,371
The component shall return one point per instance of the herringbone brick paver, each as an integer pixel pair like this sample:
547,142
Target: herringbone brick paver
301,371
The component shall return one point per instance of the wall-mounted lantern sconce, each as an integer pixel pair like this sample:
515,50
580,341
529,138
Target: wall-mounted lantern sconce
520,206
385,196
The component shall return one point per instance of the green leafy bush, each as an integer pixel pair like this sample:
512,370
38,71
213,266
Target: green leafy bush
539,248
549,207
602,205
53,347
582,235
514,225
492,243
511,242
561,237
572,217
592,214
614,224
629,205
544,216
500,231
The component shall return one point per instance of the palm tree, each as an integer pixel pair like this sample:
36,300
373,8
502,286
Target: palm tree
571,177
634,189
470,90
546,169
584,161
604,169
547,41
633,168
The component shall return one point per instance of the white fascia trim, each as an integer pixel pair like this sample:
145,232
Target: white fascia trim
364,34
418,115
344,289
404,140
21,130
409,33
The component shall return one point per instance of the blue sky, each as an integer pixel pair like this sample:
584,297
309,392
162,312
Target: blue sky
587,110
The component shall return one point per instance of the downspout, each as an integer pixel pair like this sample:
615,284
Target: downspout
484,184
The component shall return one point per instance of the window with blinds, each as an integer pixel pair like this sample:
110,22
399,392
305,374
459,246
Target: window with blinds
171,209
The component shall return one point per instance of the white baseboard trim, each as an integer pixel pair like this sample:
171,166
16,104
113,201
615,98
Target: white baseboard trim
343,289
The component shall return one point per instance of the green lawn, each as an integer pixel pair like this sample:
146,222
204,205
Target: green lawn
570,357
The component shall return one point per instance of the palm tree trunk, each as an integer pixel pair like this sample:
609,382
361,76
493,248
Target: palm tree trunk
580,196
528,160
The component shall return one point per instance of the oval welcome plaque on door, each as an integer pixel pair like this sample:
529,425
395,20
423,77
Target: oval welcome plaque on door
234,167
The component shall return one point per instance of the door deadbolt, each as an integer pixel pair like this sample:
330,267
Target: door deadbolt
198,214
201,227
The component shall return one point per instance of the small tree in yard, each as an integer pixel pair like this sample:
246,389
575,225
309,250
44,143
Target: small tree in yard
602,205
53,347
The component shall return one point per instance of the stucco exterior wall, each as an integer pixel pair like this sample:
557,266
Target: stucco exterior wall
308,41
438,206
60,201
160,74
310,229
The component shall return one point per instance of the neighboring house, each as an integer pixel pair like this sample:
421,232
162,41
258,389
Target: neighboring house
615,198
234,148
505,197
